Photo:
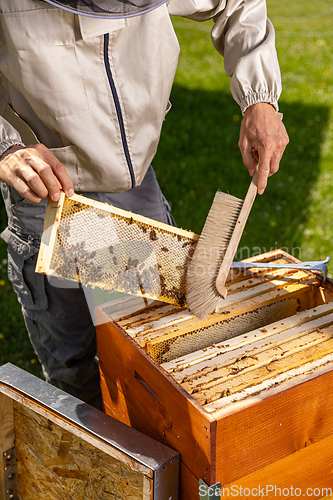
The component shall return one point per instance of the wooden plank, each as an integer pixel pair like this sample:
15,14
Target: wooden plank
130,309
254,368
55,464
146,327
139,218
116,404
204,368
265,276
261,343
273,428
260,300
297,374
178,343
306,473
174,417
51,224
189,484
285,369
166,332
265,285
237,346
7,435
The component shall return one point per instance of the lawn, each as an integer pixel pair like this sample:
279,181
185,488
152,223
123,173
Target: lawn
198,152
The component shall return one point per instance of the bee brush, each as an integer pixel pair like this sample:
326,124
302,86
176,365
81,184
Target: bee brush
215,250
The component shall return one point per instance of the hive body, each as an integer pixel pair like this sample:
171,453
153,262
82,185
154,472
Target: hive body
245,395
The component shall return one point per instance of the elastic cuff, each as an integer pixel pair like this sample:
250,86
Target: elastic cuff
5,145
256,97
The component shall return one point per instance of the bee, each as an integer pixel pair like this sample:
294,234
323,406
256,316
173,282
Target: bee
179,238
181,298
131,220
144,229
101,216
115,261
152,235
164,249
185,244
78,205
111,249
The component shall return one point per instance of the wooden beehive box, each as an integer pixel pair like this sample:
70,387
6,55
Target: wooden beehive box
245,396
54,447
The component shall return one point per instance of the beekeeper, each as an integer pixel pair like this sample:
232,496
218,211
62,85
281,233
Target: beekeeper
84,90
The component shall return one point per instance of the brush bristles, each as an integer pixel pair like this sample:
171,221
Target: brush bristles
201,294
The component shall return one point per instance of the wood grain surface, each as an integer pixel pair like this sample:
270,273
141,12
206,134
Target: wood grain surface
55,464
6,435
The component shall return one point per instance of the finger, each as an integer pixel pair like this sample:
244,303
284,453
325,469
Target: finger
247,156
274,164
25,191
263,172
58,171
40,178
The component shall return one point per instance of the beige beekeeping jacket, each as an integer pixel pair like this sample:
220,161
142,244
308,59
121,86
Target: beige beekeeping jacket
96,91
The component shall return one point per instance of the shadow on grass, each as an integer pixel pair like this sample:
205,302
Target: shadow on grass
198,154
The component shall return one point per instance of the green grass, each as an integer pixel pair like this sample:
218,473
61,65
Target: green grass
198,152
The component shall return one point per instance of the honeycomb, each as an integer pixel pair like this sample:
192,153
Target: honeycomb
99,245
164,351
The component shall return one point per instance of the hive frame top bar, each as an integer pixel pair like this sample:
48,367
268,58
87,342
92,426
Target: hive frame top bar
310,265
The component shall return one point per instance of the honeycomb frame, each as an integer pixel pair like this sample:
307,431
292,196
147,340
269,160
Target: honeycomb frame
99,245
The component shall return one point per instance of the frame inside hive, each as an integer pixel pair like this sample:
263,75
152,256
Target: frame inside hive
275,325
97,244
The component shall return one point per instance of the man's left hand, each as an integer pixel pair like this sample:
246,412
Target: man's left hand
263,139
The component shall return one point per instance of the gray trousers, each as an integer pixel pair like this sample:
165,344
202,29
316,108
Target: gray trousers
58,319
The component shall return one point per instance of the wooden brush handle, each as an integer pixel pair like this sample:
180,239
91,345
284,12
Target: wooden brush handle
236,236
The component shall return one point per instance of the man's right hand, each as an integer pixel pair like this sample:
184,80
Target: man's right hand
35,173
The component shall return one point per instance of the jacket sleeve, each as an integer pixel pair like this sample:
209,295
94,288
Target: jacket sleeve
9,136
245,37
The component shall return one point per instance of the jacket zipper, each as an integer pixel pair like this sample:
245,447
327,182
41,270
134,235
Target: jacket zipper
118,108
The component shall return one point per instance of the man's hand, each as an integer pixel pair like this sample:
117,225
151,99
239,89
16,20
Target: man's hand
263,139
35,173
